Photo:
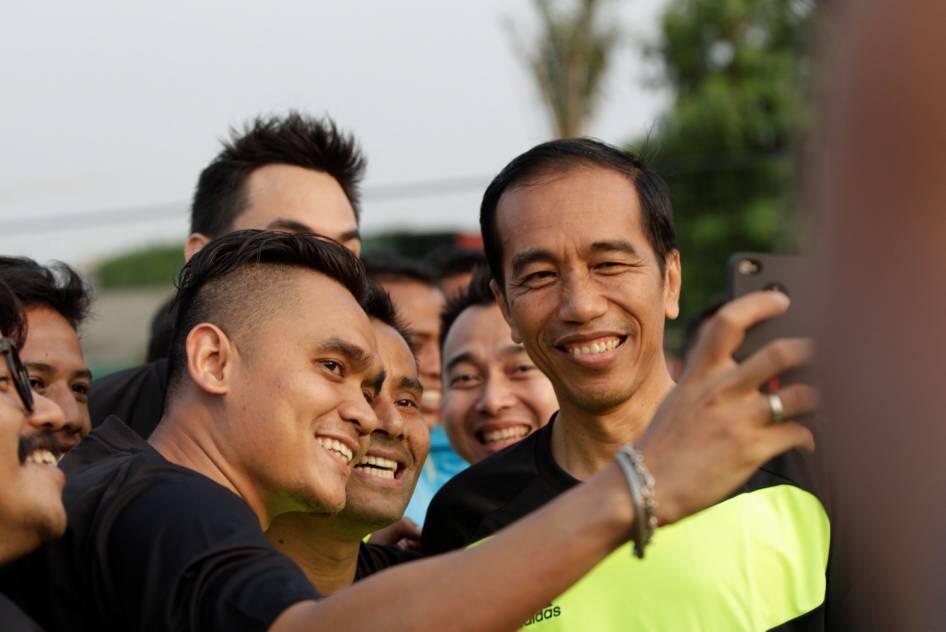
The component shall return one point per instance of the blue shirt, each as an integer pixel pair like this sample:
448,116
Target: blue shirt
443,463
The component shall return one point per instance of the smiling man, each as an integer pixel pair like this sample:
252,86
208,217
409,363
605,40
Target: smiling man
330,548
31,510
56,302
580,241
494,395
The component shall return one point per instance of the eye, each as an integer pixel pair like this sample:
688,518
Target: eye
538,278
37,384
369,396
407,402
611,266
82,390
333,367
463,380
522,369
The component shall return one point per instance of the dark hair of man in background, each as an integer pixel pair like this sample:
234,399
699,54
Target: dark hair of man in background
12,321
555,156
387,266
451,259
295,140
478,293
221,193
57,287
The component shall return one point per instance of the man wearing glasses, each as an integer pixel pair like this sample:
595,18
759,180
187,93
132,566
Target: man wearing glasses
31,510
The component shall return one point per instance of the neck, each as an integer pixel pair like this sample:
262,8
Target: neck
16,541
585,442
185,436
324,549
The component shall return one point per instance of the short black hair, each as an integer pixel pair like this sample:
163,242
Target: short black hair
379,306
387,266
12,320
56,286
477,293
216,284
450,260
568,153
295,139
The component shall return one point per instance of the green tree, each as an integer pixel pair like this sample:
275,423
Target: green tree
737,72
151,266
569,60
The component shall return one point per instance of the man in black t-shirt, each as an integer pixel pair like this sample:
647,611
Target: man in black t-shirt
580,241
330,549
273,367
294,173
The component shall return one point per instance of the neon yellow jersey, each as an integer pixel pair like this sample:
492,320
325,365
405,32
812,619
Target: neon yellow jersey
755,561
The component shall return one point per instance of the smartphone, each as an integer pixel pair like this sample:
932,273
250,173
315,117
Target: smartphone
751,272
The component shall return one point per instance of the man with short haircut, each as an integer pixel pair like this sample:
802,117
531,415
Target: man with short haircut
31,510
330,548
413,288
494,395
57,303
273,367
580,241
294,173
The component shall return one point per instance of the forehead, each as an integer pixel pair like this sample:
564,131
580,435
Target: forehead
311,198
395,355
574,208
51,340
480,330
310,307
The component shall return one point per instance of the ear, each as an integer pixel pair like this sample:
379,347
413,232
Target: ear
673,279
210,356
504,308
195,242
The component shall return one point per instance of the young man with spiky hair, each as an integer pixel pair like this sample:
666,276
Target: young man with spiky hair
294,173
272,372
56,302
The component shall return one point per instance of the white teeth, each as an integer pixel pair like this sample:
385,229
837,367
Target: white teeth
595,347
42,457
336,446
378,467
516,432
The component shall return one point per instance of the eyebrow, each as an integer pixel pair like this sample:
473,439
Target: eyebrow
48,368
615,245
293,226
532,255
410,384
350,235
359,359
460,358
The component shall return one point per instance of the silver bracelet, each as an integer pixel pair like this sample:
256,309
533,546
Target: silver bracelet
641,485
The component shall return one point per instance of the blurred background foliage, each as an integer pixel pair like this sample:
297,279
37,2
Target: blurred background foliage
736,72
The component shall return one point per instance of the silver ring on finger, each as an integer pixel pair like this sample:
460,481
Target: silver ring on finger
776,407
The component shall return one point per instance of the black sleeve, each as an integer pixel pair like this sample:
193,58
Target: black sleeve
373,558
188,554
135,395
12,619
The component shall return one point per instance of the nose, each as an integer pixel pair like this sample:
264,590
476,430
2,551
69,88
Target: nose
75,413
581,302
390,421
496,395
47,415
358,412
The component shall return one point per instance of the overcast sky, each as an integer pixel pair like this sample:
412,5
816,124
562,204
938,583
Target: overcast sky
111,108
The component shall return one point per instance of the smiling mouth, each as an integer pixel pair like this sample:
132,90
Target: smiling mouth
40,449
380,467
502,435
337,449
591,348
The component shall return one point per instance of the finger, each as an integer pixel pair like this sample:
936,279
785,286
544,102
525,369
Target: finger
721,336
785,436
797,400
773,359
410,529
